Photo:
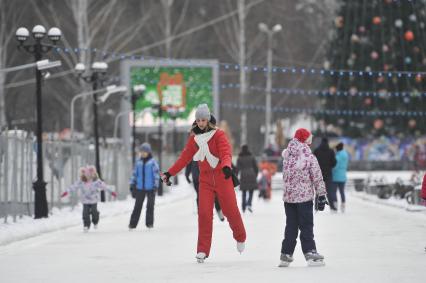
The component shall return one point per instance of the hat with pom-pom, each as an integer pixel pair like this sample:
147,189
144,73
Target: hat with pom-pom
303,135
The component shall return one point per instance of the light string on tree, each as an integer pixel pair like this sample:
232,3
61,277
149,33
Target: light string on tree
337,112
251,68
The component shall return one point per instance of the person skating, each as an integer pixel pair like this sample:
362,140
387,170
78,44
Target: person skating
327,160
303,182
264,184
145,182
89,186
210,147
339,174
248,170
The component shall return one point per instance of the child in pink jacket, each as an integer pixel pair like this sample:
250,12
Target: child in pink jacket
303,183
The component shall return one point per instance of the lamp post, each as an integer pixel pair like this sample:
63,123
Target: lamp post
268,113
159,107
96,77
38,49
137,91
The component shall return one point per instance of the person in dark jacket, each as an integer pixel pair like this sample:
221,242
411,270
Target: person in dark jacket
192,169
248,170
145,182
327,160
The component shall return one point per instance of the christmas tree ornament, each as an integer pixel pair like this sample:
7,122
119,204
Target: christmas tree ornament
407,60
378,124
338,21
419,78
412,123
416,49
386,67
406,100
377,20
412,18
385,48
353,91
361,29
368,101
409,35
381,79
374,55
422,25
332,90
350,62
398,23
368,69
326,64
354,38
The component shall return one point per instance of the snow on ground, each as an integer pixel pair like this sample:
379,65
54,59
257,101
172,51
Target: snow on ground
369,243
67,217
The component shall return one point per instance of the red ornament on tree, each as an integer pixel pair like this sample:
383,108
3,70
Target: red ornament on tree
409,35
418,78
377,20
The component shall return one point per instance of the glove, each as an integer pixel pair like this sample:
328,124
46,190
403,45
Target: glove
188,180
64,194
114,194
321,202
165,178
227,171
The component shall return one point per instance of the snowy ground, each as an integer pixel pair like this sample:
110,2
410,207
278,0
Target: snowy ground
370,243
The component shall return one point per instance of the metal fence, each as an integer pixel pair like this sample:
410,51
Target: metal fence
61,163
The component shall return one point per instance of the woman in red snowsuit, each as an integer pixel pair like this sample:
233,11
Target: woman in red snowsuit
210,147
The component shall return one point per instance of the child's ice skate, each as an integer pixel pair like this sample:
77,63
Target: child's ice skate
240,247
285,260
314,259
201,257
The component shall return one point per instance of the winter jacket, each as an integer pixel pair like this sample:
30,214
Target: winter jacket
218,146
326,159
339,171
146,175
424,187
247,168
301,173
89,191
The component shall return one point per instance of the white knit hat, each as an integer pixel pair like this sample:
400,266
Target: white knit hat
202,112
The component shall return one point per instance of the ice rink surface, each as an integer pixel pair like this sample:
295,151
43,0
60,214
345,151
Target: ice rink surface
369,243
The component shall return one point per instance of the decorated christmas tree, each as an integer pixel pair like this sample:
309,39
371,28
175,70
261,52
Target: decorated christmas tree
383,43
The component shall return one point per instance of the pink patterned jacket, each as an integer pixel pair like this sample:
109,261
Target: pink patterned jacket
301,173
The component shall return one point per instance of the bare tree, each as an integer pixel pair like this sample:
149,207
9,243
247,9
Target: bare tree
10,16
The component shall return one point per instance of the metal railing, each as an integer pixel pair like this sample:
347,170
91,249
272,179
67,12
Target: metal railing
62,160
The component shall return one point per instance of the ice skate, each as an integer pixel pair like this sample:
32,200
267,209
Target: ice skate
95,226
250,209
285,260
240,247
131,228
201,257
342,207
85,229
314,259
220,215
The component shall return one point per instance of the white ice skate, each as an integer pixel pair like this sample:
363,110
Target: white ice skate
240,247
201,257
314,259
285,260
342,207
95,226
85,229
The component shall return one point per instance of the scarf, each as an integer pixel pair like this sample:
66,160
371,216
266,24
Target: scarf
203,149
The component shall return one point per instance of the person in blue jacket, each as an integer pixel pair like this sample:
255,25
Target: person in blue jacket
144,182
339,173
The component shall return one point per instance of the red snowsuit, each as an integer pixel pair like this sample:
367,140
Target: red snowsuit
212,181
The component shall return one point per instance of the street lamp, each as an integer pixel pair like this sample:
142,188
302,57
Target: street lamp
38,49
96,77
268,114
137,92
159,107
